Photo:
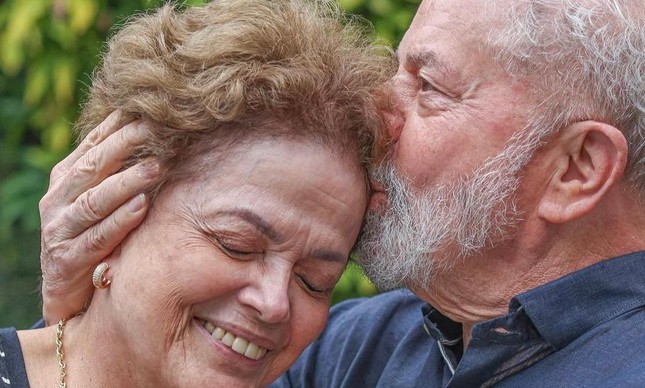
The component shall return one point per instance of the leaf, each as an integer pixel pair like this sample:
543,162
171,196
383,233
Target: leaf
60,136
41,159
37,83
19,195
381,7
82,13
64,76
12,56
194,2
23,18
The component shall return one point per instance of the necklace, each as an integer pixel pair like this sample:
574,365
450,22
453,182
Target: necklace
59,352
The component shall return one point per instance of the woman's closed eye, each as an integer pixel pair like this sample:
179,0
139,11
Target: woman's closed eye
236,250
316,290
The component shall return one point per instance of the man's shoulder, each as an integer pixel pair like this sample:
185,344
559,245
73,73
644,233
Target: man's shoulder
399,309
367,342
375,322
610,355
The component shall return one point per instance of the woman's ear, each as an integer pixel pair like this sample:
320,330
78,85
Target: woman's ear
589,159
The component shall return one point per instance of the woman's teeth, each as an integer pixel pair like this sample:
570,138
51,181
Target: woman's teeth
238,344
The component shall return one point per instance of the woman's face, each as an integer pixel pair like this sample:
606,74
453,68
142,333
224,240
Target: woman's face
231,274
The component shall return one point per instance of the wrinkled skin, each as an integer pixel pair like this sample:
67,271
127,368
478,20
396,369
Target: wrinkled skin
89,208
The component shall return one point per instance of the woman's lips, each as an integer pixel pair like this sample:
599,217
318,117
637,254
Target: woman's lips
238,344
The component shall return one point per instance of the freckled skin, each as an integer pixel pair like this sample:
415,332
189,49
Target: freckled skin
200,253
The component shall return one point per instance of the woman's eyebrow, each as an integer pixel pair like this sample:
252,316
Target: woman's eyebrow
327,255
265,228
258,222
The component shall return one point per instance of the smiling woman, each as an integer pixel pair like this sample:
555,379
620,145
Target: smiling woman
236,265
262,117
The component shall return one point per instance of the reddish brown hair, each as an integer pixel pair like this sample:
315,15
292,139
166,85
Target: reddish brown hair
240,69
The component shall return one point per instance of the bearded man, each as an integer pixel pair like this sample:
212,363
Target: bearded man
511,204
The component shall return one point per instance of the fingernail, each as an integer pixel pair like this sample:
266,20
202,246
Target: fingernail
143,125
137,203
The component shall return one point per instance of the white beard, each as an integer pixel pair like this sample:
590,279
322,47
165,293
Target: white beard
423,233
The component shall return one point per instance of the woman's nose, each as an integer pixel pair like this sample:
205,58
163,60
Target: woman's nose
268,294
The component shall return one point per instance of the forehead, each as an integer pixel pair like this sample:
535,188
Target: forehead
460,23
285,183
279,164
450,39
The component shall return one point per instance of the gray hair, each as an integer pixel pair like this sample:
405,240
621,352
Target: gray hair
586,60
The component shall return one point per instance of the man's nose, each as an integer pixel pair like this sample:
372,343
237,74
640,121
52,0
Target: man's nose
393,109
395,121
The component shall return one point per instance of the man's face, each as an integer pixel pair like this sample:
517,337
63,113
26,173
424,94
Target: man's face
457,106
454,168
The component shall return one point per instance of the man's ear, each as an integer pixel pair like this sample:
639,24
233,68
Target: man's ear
588,157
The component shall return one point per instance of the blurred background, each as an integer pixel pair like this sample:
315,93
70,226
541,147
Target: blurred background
48,49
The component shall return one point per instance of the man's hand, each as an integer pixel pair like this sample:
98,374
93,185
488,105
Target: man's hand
87,212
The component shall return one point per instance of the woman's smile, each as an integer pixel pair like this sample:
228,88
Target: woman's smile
245,259
262,154
239,343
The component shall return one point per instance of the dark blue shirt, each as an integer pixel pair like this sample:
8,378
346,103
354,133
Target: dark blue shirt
586,329
12,366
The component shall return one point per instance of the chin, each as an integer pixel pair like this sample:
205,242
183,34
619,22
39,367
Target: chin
208,362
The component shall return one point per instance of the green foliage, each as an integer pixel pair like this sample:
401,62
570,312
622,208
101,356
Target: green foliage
48,49
390,17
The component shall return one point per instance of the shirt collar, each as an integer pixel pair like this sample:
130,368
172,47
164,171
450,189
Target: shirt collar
564,309
440,327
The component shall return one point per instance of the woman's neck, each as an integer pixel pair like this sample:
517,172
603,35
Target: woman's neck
39,353
87,355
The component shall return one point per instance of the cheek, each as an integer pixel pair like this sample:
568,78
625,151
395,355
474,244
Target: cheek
200,279
417,153
308,319
435,149
197,269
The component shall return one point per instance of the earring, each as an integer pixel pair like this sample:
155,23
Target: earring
98,277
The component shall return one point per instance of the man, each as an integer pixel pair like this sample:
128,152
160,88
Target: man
511,202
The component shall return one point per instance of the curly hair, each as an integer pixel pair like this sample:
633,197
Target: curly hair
236,70
587,58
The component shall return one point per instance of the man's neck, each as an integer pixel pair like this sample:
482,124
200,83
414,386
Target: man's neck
480,288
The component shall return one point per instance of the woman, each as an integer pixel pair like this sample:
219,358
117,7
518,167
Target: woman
262,118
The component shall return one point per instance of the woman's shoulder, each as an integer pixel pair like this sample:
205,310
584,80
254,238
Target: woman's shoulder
12,365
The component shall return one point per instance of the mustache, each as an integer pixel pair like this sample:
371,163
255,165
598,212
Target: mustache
422,233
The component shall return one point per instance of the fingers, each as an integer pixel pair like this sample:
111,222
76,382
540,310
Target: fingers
94,138
100,201
58,306
101,161
101,239
67,284
87,211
